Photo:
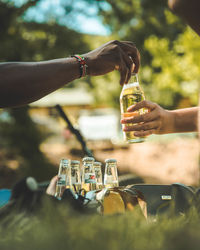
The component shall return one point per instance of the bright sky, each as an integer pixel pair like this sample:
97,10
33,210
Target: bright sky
83,19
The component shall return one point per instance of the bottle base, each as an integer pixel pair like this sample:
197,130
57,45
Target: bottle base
136,140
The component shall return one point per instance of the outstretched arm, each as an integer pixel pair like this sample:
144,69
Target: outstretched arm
25,82
189,10
160,121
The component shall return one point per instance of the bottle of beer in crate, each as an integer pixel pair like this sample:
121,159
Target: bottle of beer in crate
98,175
88,174
75,176
111,175
64,179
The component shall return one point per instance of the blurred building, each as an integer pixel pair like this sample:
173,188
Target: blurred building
78,104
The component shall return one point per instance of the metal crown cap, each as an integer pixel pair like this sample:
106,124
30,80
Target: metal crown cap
97,163
88,159
65,162
110,161
74,162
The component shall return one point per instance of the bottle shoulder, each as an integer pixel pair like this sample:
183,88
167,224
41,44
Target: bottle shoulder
131,85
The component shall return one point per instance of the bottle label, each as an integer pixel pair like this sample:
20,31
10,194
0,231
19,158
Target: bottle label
89,178
109,179
75,180
62,180
67,181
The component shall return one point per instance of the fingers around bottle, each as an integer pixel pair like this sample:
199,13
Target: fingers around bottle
132,51
143,127
153,115
54,180
52,186
123,72
142,104
129,64
123,75
145,133
125,64
136,60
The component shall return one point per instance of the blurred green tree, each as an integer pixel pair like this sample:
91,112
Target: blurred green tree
30,41
168,50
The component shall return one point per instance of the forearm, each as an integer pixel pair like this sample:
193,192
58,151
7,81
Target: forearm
22,83
185,120
189,10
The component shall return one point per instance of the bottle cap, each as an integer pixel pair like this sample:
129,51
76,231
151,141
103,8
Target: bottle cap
74,162
65,162
110,161
88,159
97,163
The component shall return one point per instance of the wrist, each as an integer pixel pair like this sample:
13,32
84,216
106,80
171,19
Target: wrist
185,120
82,65
88,63
171,125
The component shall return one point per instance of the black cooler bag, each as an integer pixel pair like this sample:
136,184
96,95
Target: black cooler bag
176,198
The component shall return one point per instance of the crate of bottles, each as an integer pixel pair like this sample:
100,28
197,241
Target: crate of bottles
86,175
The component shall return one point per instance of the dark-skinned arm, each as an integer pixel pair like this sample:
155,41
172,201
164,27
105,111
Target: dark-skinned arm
25,82
189,10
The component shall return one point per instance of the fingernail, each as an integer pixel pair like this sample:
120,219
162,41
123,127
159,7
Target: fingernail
124,129
133,67
129,109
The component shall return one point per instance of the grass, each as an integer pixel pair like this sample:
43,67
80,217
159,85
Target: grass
58,228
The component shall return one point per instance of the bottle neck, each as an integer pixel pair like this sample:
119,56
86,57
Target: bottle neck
88,163
135,77
133,82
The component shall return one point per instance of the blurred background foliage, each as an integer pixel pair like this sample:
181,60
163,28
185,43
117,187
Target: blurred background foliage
169,50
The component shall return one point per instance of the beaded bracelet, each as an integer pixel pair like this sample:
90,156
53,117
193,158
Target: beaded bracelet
82,65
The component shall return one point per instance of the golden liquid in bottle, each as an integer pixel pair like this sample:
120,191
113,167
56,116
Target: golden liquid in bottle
99,186
130,96
111,185
75,176
89,186
111,175
63,177
88,177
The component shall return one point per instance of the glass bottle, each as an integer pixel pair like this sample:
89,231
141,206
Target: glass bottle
111,175
131,94
75,176
68,174
63,177
88,174
98,174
